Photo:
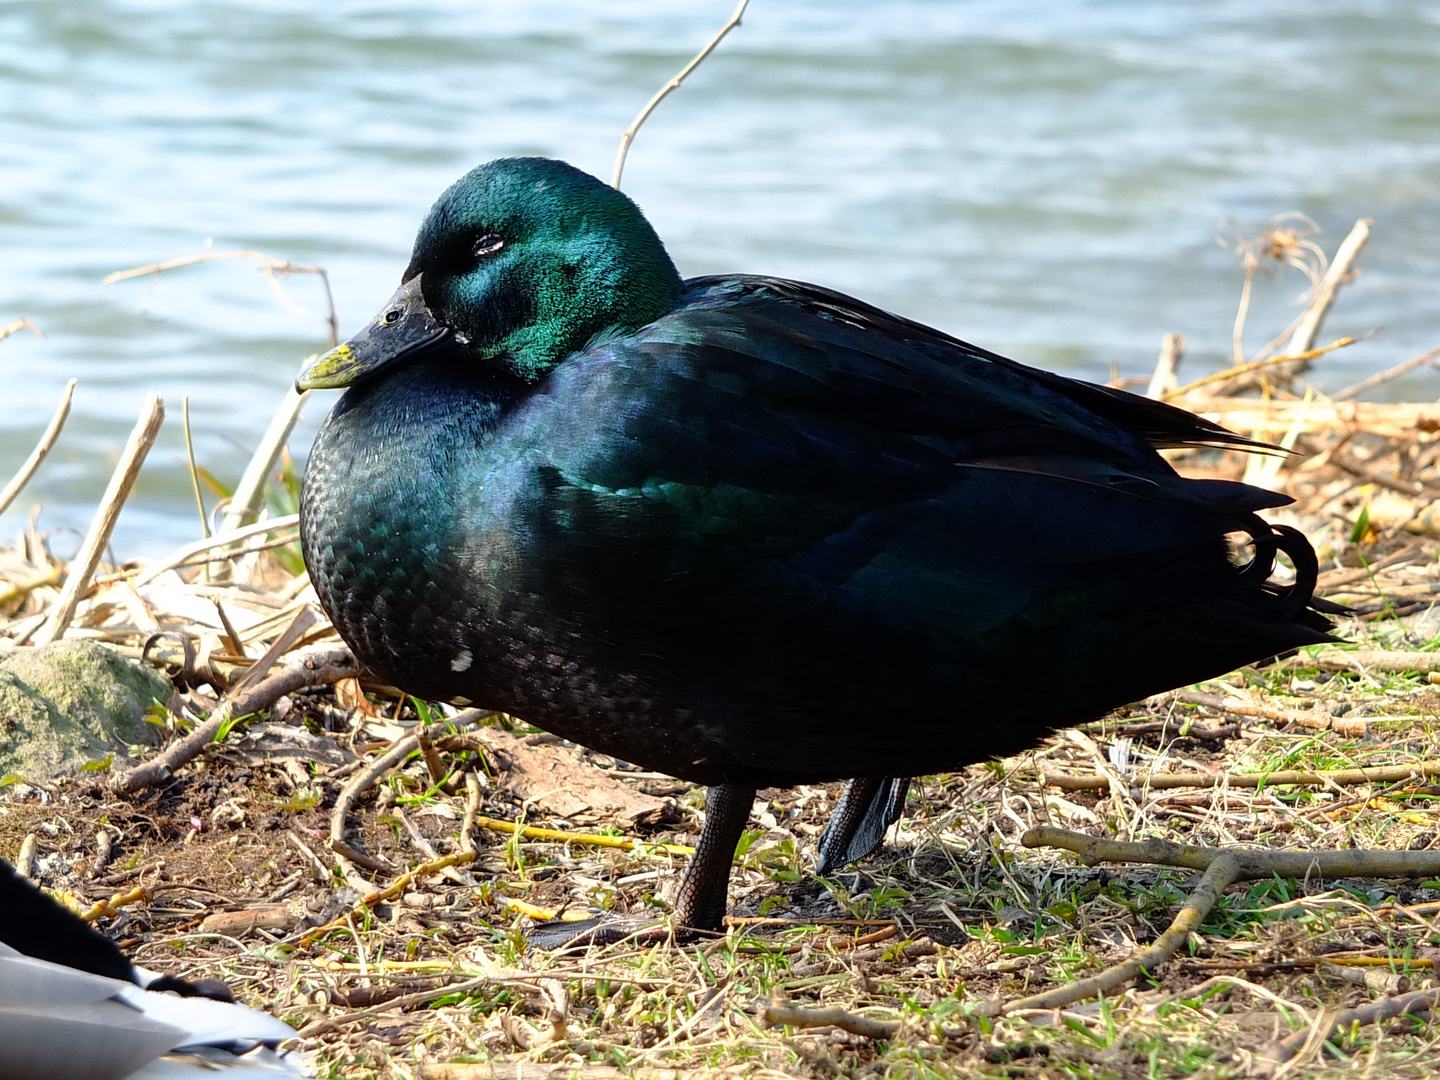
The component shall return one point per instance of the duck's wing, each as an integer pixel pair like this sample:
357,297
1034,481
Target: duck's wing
773,416
770,384
1156,423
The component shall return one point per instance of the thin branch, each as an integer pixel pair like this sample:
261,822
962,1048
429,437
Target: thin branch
1253,863
1224,870
194,472
1259,365
269,264
250,491
1417,1003
1164,380
1299,717
16,325
111,503
304,619
42,448
670,87
405,1001
1385,376
1237,333
799,1016
1339,272
1389,774
1392,661
532,832
104,909
182,555
399,750
1388,419
309,669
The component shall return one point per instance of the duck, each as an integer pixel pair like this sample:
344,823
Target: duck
752,532
72,1007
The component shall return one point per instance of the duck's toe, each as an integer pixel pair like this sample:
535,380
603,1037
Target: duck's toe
559,935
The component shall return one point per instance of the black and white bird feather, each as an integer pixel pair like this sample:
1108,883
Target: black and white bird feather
73,1008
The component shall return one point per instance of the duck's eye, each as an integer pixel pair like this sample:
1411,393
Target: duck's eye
488,244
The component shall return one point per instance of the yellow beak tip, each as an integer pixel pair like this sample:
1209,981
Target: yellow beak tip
333,370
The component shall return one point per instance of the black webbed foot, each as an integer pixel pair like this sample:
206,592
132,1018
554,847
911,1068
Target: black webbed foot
869,806
559,935
699,900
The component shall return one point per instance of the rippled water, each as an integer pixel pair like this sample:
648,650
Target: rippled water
1044,178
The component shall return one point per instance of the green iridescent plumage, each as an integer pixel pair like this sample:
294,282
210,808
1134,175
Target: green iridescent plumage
749,531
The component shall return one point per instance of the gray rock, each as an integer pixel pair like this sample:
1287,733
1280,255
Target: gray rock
72,702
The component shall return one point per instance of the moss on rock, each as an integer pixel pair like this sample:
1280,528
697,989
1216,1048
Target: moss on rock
71,702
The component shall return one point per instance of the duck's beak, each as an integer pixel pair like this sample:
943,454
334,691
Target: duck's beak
403,328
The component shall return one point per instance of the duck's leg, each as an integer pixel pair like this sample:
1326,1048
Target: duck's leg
869,806
699,900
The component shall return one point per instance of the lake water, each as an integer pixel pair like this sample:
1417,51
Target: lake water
1044,178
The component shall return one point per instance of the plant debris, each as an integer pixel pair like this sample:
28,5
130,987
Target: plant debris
365,864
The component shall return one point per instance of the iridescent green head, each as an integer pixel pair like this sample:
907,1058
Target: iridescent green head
520,263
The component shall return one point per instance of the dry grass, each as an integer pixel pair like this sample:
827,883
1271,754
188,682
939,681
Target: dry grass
932,938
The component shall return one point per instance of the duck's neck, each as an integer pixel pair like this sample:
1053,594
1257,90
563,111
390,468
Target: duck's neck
382,507
395,443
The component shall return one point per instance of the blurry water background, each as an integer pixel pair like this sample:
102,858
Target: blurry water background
1044,178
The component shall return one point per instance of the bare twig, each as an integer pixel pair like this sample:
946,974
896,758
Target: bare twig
25,859
14,326
1298,717
1418,1002
1400,419
111,503
1388,660
232,638
308,669
304,619
1165,379
432,857
1343,462
103,909
1390,774
472,809
104,846
782,1012
1286,241
1303,340
269,264
1253,863
42,448
433,765
251,489
1225,374
395,889
670,87
399,750
405,1001
1221,872
182,555
531,832
1385,376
